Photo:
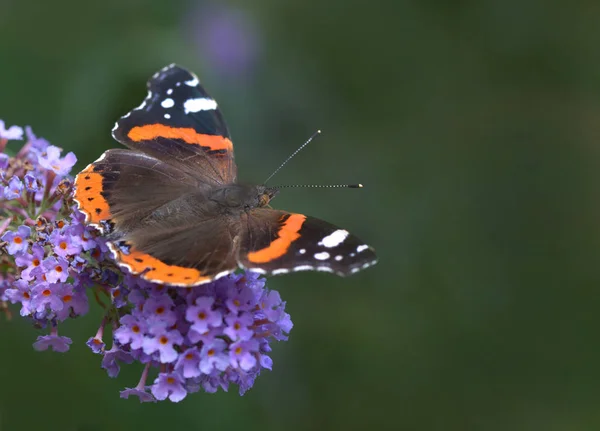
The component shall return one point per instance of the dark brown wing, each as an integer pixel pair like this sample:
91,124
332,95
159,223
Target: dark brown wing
157,218
278,242
181,125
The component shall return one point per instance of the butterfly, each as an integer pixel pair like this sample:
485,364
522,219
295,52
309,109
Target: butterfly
172,210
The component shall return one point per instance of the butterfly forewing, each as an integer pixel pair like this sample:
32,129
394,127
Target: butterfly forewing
180,124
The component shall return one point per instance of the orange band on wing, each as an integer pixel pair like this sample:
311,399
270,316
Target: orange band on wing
88,195
287,234
186,134
159,272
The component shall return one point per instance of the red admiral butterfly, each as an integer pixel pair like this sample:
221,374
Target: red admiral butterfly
172,210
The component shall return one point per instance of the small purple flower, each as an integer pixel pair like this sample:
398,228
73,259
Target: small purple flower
47,295
169,385
51,160
163,342
242,356
158,311
14,133
81,237
30,261
38,144
237,327
57,342
17,241
206,337
266,362
188,363
213,356
131,332
240,299
140,390
119,296
75,301
96,345
144,396
4,159
32,184
14,189
270,305
202,316
109,361
20,292
55,269
63,244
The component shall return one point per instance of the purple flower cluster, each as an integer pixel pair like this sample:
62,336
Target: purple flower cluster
205,337
41,236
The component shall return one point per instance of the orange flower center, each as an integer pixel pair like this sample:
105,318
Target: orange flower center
46,292
18,240
58,268
163,340
63,245
202,315
135,328
211,352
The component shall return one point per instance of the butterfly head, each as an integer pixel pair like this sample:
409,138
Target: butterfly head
265,194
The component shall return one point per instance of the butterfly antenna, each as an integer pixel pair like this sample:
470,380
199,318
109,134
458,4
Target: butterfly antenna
318,132
325,186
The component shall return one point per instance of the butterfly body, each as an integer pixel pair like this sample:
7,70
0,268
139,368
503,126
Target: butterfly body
172,210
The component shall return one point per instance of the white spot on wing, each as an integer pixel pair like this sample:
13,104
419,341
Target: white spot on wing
142,106
339,257
200,104
324,269
167,103
302,251
334,239
193,82
280,271
322,256
170,91
304,268
257,270
167,116
222,274
361,248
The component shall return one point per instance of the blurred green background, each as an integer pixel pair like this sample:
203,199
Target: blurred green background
475,127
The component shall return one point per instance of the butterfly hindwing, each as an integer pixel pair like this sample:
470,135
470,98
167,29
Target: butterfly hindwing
278,242
153,216
180,124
